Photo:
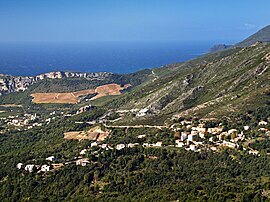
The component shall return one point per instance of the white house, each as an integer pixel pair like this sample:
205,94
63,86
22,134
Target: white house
183,136
158,144
82,162
262,123
131,145
51,158
193,147
45,168
246,127
29,168
254,152
83,152
19,165
104,146
179,143
94,144
120,146
141,136
229,144
146,145
142,112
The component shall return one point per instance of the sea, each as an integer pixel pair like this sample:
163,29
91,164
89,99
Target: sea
30,59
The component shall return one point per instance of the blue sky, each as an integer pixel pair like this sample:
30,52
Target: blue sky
117,20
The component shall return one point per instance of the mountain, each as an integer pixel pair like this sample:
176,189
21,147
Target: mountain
212,86
262,35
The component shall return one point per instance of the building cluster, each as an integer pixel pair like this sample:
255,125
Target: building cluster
26,121
39,168
195,138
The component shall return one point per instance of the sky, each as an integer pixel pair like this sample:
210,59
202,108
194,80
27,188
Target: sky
131,20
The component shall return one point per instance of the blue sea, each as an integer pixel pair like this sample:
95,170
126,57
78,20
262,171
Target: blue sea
28,59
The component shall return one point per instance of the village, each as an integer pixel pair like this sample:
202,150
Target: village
187,136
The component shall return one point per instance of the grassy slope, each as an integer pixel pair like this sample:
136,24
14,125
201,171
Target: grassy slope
231,81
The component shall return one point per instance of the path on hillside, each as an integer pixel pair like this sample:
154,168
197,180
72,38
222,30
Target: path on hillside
136,126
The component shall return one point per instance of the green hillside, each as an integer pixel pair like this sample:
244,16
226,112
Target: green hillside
211,86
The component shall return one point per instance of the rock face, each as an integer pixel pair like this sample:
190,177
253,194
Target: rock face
9,84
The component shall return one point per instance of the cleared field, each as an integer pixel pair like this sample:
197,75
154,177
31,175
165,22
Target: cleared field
74,97
110,89
92,134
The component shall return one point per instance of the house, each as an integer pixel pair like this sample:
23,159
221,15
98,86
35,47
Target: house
29,168
246,127
254,152
45,168
19,166
142,112
94,144
231,131
214,130
141,136
179,143
131,145
83,152
51,158
104,146
229,144
184,136
213,148
191,137
158,144
201,135
120,146
193,147
82,162
146,144
262,123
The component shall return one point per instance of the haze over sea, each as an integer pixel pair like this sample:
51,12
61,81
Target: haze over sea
28,59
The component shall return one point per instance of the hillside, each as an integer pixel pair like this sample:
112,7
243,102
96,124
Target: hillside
262,35
211,86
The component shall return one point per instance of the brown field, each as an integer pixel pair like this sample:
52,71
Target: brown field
92,134
73,97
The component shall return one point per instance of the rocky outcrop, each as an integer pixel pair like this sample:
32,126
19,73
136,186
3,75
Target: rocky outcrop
9,84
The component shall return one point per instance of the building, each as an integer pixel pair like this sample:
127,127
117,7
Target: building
29,168
83,152
19,166
179,143
142,112
193,147
120,146
82,162
94,144
131,145
45,168
191,137
229,144
184,136
158,144
262,123
51,158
